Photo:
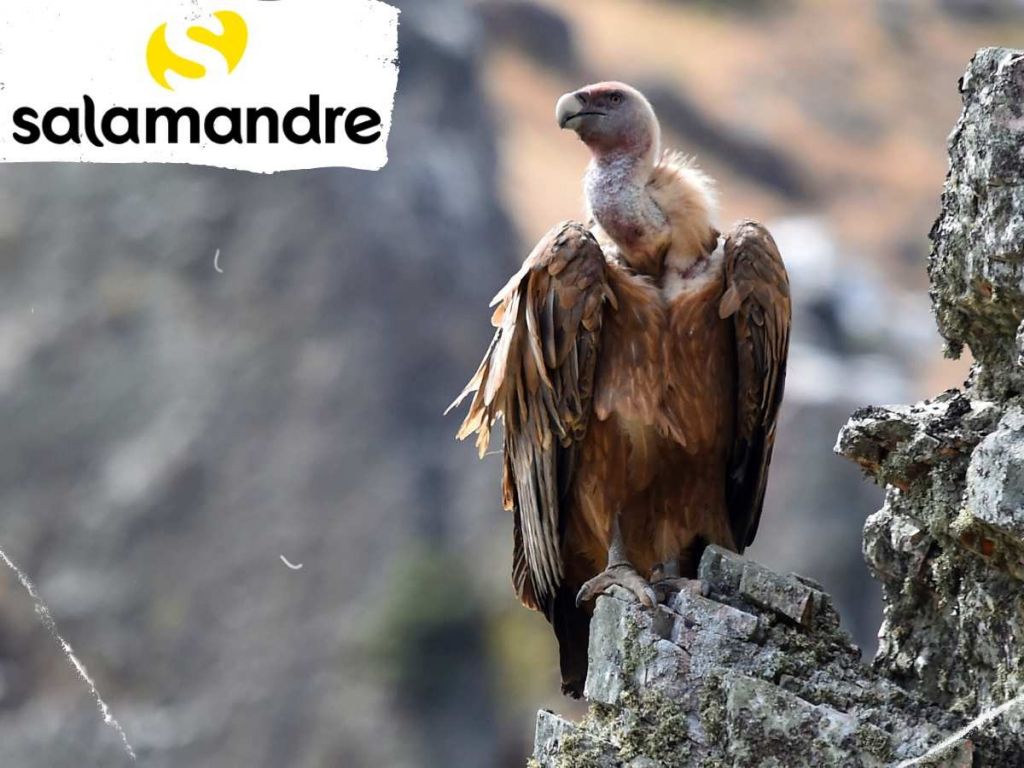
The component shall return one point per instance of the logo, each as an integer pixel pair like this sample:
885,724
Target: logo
230,44
255,86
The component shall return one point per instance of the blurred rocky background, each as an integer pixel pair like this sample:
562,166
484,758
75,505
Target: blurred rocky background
170,431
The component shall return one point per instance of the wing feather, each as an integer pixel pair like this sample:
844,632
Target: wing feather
758,301
538,377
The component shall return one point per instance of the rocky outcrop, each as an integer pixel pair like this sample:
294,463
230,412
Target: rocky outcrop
977,265
754,670
948,546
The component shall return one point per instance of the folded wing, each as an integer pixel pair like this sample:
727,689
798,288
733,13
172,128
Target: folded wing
758,301
538,375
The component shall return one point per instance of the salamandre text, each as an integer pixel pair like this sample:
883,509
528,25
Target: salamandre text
304,124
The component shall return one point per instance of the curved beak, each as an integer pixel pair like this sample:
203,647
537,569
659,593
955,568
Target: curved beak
573,105
568,106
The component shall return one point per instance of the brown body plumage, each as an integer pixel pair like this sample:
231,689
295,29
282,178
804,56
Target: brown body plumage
638,366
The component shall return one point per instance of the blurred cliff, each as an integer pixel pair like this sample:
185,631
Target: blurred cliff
171,431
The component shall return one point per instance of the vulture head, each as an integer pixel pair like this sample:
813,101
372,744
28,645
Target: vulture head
610,118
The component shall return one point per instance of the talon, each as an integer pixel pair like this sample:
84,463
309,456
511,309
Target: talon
622,575
649,598
582,596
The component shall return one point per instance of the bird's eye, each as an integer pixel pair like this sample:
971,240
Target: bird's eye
615,99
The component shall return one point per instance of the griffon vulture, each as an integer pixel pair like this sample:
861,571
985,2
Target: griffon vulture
638,366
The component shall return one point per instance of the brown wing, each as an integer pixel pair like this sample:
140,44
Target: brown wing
757,298
538,374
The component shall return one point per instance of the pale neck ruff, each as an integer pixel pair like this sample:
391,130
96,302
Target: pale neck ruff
614,179
621,168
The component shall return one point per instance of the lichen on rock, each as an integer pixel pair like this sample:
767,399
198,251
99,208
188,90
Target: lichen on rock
977,263
948,546
738,675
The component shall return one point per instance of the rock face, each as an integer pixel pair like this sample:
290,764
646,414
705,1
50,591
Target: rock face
755,671
948,546
976,268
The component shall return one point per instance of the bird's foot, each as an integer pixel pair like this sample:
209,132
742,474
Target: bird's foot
618,575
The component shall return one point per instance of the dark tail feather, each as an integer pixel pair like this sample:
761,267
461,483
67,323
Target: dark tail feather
572,628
